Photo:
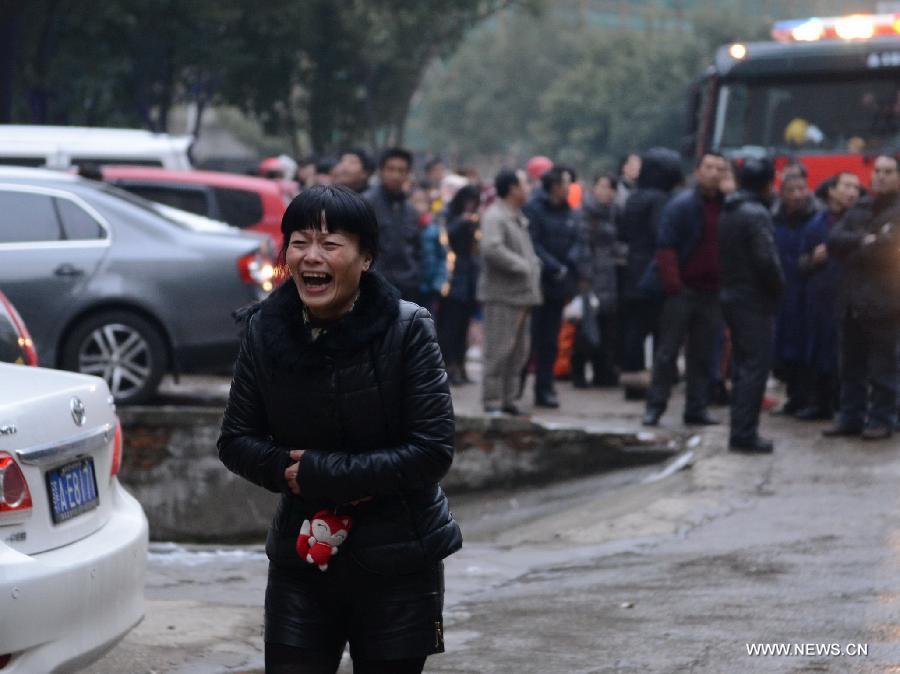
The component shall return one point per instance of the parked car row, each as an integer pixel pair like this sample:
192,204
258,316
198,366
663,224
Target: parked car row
245,202
113,285
101,281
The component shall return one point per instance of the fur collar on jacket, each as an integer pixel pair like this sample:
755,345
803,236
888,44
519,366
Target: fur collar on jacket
288,338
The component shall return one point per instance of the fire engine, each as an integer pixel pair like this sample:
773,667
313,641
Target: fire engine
825,92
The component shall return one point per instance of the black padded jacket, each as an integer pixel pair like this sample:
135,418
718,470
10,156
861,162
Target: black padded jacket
871,286
749,262
369,401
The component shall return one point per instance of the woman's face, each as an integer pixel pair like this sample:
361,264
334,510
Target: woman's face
326,267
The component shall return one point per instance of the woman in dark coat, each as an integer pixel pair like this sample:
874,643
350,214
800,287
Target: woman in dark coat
458,307
340,403
796,209
599,217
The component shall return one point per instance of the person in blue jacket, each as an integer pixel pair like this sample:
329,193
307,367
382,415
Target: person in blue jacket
823,277
797,207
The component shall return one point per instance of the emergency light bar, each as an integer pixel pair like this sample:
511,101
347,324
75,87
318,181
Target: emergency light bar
852,27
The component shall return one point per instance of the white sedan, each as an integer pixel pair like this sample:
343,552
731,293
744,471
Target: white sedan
73,542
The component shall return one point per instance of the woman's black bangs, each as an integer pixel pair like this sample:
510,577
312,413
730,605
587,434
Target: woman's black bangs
325,209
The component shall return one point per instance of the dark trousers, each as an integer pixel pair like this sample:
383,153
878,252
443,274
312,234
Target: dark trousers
869,372
602,359
752,348
690,317
639,319
453,330
821,390
546,321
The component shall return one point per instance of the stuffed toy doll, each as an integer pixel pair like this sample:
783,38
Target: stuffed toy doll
321,537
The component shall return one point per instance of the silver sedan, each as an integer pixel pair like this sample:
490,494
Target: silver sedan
112,285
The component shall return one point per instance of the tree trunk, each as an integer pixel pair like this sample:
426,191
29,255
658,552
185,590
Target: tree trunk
166,96
10,29
40,98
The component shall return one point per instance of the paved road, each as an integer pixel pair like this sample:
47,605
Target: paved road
616,573
680,575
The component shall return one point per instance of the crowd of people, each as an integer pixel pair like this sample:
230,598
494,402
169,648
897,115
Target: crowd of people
570,279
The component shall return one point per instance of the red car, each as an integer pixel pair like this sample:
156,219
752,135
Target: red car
242,201
15,342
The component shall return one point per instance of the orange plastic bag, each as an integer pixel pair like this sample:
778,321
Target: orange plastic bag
562,368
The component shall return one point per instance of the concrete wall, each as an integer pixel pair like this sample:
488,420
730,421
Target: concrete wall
171,466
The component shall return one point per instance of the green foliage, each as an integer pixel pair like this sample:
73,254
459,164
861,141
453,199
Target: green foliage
580,92
326,73
485,98
116,62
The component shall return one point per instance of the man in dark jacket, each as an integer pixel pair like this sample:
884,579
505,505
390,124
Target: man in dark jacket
637,229
823,279
400,250
556,235
354,169
752,285
687,264
867,242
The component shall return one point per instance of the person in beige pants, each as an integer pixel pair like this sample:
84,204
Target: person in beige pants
509,286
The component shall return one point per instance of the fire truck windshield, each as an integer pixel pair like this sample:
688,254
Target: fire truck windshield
823,116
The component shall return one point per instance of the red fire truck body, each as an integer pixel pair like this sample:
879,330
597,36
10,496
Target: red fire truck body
826,93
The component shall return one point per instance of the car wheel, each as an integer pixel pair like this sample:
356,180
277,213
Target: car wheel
121,347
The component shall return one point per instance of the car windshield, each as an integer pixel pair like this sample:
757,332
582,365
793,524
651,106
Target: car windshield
847,115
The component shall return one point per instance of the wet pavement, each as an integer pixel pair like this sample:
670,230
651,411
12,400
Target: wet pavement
644,570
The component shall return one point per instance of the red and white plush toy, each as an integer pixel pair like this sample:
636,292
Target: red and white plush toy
321,537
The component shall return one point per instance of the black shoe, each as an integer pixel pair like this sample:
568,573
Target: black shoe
546,400
514,411
579,383
840,431
813,414
652,417
757,445
700,420
877,433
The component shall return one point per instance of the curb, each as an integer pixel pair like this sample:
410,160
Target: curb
171,466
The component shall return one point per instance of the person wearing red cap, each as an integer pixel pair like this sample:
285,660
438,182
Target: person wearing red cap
535,168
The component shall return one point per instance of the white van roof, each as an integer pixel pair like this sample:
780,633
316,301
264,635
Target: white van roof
62,146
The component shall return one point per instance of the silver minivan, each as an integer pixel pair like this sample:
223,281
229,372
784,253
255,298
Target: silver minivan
112,285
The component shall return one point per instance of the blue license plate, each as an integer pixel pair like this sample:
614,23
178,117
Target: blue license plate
72,489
